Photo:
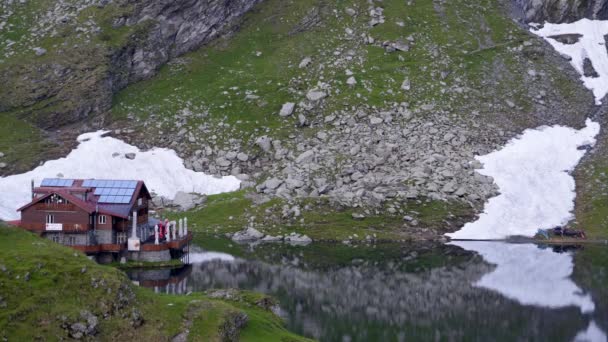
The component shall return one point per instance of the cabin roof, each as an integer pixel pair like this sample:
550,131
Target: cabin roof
94,200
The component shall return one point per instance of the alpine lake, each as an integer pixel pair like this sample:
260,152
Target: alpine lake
464,290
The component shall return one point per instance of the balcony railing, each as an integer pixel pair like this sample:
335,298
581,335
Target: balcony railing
55,206
124,225
65,227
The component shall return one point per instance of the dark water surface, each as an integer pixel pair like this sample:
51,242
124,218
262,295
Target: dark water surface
481,291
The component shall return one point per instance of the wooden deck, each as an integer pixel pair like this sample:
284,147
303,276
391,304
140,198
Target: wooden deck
174,244
179,244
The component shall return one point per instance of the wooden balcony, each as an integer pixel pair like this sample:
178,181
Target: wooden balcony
55,206
66,227
105,247
125,225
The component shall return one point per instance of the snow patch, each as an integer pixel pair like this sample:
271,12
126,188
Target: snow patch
161,169
591,45
542,280
532,174
593,333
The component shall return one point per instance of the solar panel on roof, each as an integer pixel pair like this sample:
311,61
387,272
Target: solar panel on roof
57,182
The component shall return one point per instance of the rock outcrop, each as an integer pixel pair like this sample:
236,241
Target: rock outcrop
560,11
73,83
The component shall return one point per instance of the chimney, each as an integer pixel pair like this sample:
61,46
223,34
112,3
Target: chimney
32,187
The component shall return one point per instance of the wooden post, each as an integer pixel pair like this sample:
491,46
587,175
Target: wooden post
134,230
156,234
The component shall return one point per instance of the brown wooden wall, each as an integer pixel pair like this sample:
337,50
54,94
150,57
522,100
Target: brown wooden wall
36,217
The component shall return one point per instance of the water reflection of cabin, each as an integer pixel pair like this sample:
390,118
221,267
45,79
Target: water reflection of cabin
162,280
98,217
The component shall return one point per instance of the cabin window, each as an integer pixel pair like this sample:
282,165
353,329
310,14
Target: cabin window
50,218
71,240
121,238
102,219
139,201
55,238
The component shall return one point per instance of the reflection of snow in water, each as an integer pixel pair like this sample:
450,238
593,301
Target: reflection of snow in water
530,275
592,334
536,190
98,156
201,257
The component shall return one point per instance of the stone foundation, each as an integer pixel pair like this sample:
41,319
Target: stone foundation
105,258
152,256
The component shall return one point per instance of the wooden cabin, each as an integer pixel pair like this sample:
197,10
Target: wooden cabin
94,216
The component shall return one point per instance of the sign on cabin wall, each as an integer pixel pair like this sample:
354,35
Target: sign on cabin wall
54,226
133,244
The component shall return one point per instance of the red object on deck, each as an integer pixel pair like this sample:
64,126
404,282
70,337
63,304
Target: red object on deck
161,230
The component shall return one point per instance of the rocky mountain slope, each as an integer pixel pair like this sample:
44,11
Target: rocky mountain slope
64,60
559,11
376,108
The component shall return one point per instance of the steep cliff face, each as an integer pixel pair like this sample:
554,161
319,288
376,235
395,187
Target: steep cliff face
175,27
76,69
560,11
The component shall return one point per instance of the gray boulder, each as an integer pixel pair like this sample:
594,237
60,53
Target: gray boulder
242,157
287,109
39,51
298,239
273,183
305,62
249,234
306,157
264,142
315,95
186,201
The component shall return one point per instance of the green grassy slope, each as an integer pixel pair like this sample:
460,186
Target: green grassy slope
45,287
231,212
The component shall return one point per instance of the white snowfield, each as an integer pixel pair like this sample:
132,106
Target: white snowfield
161,169
536,189
591,45
542,280
531,171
